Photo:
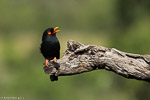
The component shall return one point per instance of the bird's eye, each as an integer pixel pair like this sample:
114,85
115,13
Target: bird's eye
49,32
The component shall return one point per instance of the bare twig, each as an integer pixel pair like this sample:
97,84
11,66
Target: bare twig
79,58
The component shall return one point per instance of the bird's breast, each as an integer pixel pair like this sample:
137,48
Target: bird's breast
51,43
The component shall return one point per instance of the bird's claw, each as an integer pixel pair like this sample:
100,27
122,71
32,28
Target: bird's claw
55,59
46,63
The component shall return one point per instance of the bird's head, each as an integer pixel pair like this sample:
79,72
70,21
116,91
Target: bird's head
51,31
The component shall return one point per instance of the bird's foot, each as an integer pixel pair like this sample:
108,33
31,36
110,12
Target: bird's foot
55,59
46,62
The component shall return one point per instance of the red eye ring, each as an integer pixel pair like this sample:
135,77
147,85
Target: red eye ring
49,32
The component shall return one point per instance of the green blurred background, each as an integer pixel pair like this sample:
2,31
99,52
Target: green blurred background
122,24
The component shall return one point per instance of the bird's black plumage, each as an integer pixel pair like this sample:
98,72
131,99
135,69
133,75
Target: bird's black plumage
50,46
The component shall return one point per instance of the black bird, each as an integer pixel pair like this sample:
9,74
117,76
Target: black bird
50,47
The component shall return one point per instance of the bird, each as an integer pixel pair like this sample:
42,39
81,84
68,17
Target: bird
50,47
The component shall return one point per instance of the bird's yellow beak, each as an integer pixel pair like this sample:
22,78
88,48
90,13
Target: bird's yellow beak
55,31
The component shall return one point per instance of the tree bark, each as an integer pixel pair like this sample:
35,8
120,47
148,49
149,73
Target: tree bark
79,58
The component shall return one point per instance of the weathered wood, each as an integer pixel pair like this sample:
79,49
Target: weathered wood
79,58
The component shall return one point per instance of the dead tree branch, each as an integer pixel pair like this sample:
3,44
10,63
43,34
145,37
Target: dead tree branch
79,58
